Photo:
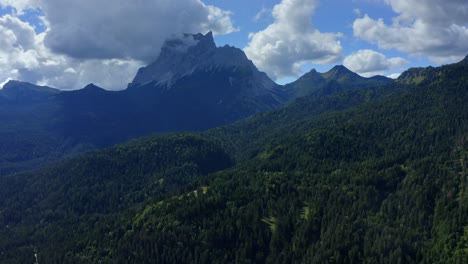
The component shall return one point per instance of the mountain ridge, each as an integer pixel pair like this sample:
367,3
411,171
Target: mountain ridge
337,79
328,183
58,123
26,92
182,57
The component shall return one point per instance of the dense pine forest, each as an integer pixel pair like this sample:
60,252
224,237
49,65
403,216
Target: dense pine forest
372,175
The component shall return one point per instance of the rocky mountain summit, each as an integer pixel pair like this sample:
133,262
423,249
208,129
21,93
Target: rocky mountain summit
186,55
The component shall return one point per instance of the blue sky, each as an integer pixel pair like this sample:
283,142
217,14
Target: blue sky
67,44
329,16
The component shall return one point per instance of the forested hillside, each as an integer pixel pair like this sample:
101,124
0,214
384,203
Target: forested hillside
96,187
377,175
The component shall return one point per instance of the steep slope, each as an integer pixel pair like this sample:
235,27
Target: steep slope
336,80
366,185
379,180
197,85
305,85
344,76
99,187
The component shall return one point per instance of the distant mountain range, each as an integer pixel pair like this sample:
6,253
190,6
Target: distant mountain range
336,80
192,86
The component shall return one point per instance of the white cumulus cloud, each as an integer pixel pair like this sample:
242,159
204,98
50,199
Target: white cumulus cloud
291,41
103,42
369,63
433,28
126,29
17,47
24,56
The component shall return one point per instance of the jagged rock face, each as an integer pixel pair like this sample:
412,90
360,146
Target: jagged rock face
182,57
194,85
177,58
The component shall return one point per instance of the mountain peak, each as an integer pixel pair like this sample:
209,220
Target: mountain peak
26,92
184,55
15,86
338,72
92,86
207,38
193,42
311,72
340,68
337,79
11,84
313,76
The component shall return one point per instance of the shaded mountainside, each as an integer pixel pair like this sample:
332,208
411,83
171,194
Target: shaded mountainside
365,176
23,92
192,86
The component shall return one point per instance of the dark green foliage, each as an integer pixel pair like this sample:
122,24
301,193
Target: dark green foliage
369,176
100,185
